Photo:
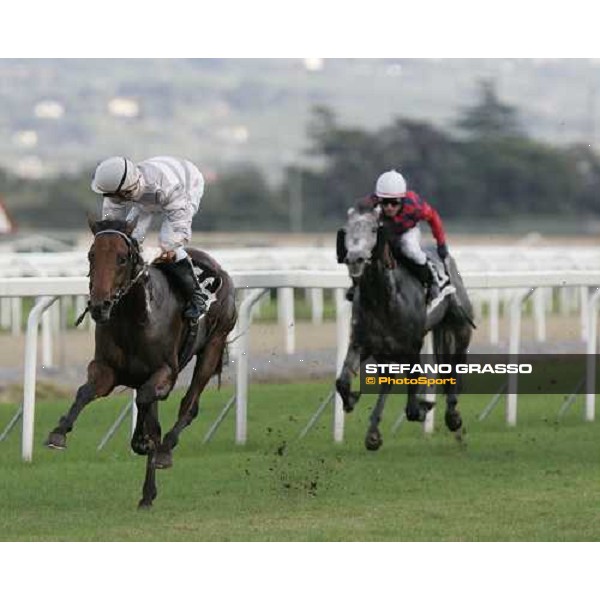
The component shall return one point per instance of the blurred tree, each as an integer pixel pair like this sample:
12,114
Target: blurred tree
489,117
240,199
493,172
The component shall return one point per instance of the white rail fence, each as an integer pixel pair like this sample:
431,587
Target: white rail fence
253,284
473,259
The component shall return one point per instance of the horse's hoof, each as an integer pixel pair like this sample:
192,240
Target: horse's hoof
460,435
144,504
453,420
343,389
373,440
415,413
351,402
142,445
426,405
56,441
163,460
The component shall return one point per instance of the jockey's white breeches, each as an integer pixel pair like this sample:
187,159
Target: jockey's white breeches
410,244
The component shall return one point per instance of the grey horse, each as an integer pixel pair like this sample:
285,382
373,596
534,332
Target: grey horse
390,319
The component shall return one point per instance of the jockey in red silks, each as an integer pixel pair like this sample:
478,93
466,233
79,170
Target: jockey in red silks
401,212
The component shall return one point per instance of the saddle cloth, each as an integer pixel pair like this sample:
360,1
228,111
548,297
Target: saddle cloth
439,272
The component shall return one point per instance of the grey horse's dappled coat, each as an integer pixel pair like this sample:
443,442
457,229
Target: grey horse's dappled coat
390,320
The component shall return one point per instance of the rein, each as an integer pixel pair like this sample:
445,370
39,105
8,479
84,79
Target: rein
119,293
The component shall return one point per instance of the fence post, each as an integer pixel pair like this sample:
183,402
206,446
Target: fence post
241,356
29,374
514,346
429,423
343,314
592,348
285,311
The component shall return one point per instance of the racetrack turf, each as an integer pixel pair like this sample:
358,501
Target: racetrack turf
538,481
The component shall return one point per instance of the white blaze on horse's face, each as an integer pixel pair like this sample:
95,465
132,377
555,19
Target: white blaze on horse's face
361,238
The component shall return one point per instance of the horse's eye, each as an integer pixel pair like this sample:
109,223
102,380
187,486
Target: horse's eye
91,256
121,261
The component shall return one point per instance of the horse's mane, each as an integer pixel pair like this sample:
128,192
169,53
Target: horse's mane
119,225
116,224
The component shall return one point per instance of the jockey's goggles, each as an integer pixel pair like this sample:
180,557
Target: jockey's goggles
127,194
390,201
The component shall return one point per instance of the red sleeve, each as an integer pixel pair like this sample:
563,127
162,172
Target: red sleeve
431,215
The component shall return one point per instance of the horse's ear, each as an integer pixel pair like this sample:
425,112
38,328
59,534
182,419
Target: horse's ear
340,246
92,224
131,225
351,211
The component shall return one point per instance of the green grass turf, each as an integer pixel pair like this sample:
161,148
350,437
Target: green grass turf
538,481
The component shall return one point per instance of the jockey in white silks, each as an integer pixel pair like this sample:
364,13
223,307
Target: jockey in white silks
163,185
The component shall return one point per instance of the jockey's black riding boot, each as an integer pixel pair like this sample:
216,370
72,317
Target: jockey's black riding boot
434,287
196,303
425,275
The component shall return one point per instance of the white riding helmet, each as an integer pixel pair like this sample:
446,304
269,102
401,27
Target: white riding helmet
115,174
390,185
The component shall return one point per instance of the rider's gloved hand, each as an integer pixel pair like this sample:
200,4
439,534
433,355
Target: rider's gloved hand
442,251
167,256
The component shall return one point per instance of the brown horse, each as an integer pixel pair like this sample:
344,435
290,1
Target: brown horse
143,341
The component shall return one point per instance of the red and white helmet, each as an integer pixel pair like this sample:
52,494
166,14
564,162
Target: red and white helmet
390,184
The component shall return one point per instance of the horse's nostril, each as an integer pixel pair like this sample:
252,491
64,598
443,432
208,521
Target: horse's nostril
360,260
106,304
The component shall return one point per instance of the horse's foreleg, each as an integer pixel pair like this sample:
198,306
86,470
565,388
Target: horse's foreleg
343,383
146,437
156,388
416,408
100,382
206,365
151,427
374,440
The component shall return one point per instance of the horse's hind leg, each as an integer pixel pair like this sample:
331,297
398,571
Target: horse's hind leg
373,440
206,366
451,343
100,382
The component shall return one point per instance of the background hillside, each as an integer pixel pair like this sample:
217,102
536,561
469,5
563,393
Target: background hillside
288,144
222,111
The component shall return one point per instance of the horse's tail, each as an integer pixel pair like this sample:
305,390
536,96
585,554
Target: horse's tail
223,360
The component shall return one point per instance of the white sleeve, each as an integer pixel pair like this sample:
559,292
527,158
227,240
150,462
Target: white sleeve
113,210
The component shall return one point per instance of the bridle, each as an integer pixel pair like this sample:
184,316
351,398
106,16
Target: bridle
134,259
381,250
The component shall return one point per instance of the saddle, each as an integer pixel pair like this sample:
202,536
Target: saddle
210,282
209,279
